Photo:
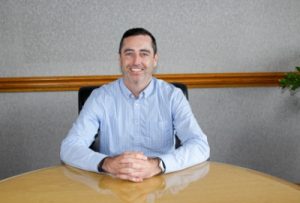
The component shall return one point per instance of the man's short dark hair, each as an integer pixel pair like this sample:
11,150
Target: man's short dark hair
135,32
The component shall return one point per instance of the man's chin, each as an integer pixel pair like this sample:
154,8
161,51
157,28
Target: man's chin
139,80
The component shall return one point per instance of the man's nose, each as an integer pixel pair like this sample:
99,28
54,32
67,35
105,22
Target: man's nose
137,60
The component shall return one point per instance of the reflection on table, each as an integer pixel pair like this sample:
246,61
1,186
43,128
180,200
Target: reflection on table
147,191
208,182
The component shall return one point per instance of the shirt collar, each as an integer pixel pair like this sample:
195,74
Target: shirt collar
145,93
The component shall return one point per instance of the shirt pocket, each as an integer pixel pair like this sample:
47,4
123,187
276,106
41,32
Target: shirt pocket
160,134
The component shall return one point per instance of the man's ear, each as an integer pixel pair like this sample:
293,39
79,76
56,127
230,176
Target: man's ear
120,60
155,60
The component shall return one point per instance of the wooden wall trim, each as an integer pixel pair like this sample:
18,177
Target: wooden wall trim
192,80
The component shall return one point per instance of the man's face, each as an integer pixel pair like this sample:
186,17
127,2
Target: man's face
137,60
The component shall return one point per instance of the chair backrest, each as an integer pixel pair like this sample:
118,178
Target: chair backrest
84,93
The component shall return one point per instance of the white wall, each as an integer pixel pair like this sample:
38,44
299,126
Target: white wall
254,127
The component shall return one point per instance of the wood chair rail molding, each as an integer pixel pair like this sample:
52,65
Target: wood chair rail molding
192,80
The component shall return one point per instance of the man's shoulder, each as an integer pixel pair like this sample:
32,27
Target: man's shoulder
165,86
106,89
162,83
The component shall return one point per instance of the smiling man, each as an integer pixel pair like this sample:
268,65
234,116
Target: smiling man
138,61
138,116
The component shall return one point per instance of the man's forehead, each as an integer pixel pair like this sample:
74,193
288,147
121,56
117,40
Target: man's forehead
139,42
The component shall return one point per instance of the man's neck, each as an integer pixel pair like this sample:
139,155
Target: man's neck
136,88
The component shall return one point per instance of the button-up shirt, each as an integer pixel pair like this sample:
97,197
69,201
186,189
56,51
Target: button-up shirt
147,123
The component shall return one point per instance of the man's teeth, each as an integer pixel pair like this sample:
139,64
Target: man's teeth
136,69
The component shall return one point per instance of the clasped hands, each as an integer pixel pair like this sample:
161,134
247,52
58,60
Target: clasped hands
132,166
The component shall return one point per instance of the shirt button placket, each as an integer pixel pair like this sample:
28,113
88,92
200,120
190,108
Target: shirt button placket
136,107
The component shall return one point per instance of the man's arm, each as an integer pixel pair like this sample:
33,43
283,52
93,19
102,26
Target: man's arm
195,148
75,149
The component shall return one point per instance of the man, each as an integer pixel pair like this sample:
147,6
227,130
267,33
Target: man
138,116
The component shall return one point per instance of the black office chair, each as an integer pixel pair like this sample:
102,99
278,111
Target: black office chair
84,93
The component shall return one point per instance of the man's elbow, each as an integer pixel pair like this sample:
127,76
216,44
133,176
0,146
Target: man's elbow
205,150
63,152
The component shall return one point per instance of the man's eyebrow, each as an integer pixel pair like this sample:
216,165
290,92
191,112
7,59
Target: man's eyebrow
141,50
145,50
128,50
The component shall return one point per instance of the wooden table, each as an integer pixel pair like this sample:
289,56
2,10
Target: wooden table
208,182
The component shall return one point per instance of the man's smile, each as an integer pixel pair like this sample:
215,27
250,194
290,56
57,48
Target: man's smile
136,69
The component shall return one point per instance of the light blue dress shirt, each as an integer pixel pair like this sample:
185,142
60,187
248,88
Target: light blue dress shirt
145,124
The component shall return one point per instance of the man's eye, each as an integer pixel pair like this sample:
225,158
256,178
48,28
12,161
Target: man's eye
128,54
144,54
